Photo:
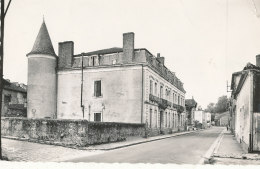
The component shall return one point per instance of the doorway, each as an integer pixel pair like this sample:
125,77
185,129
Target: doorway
161,119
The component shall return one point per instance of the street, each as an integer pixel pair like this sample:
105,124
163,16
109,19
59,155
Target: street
184,149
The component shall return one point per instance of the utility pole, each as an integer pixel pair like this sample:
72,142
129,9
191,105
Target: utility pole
3,14
228,88
81,92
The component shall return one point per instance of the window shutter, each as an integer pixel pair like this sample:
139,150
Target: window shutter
99,88
95,88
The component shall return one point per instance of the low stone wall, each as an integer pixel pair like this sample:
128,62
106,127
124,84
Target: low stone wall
69,132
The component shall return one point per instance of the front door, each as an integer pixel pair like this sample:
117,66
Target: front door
256,132
161,119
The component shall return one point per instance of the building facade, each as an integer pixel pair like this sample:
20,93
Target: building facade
199,115
244,106
110,85
208,117
14,99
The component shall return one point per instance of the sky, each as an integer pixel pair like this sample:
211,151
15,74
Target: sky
203,41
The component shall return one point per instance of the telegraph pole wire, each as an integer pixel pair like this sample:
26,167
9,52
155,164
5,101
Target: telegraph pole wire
226,38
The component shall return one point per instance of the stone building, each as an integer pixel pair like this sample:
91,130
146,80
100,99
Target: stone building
109,85
13,99
245,106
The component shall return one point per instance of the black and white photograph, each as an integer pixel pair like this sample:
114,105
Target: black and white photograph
172,83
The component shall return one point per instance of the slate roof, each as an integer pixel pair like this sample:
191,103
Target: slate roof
108,51
251,66
42,44
13,87
104,51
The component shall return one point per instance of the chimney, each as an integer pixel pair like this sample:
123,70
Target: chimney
66,52
160,59
258,60
128,47
158,55
16,83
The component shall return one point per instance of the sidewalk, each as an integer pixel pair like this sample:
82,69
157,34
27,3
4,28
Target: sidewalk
230,151
17,150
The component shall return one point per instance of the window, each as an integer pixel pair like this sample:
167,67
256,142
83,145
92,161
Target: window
92,61
7,98
161,91
173,122
155,89
151,117
169,124
151,87
97,116
155,113
166,120
97,88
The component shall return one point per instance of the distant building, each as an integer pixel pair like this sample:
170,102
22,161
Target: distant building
191,106
109,85
203,118
13,99
208,117
222,119
199,115
245,106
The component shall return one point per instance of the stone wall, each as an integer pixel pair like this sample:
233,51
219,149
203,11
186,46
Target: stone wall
69,132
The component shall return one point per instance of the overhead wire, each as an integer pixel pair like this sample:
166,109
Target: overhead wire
226,39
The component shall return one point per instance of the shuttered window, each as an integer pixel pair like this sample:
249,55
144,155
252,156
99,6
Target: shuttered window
97,88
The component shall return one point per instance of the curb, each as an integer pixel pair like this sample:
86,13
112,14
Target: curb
207,157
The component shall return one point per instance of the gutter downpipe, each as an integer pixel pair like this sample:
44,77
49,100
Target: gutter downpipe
81,91
142,104
251,111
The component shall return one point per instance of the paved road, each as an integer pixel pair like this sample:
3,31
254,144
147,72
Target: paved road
185,149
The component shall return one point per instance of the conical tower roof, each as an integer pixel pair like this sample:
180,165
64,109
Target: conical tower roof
42,44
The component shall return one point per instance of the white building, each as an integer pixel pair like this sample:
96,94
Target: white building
208,117
199,115
110,85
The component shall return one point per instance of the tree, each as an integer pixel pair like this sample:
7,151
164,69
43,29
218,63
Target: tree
221,105
211,108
